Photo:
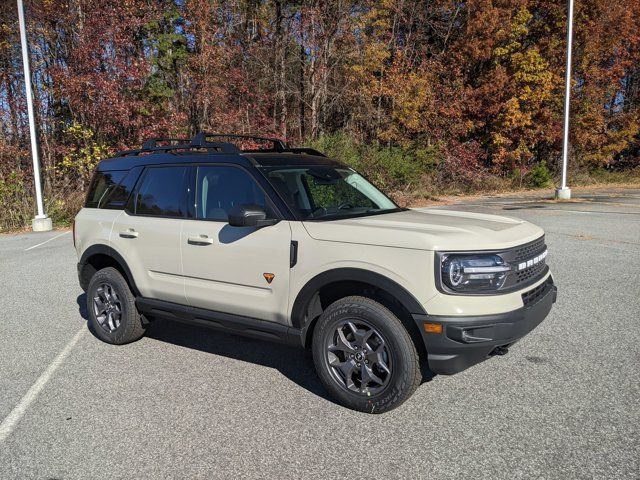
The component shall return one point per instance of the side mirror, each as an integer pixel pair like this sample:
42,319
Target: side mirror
249,216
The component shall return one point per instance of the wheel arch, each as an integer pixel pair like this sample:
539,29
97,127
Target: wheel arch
100,256
337,283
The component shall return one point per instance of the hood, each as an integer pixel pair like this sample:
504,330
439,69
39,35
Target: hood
428,229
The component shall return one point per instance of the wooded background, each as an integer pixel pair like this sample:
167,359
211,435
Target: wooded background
420,95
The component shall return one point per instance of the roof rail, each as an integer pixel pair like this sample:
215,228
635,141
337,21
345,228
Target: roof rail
153,142
305,150
201,141
277,144
150,146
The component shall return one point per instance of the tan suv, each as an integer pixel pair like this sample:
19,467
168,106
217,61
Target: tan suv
286,244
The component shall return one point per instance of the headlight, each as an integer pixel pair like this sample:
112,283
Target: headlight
473,273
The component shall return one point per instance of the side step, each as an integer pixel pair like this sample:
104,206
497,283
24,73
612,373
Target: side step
226,322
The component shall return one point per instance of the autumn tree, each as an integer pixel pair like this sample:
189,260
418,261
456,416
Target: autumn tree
410,91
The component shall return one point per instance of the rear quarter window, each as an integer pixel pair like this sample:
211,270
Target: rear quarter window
101,184
112,189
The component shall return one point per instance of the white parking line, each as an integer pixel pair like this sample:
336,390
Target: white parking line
46,241
11,421
588,212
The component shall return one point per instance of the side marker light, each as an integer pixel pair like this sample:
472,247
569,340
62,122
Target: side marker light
433,327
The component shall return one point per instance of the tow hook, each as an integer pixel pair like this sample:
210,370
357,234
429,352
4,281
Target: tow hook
499,351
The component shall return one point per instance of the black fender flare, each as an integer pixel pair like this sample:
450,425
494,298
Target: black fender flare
305,295
101,249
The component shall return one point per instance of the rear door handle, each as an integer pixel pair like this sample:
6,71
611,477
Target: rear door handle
131,233
200,240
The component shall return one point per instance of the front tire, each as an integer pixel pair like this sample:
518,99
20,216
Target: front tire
364,356
113,316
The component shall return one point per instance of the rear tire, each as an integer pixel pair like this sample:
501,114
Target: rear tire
364,356
113,316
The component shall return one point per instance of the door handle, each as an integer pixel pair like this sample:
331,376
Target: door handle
200,240
130,233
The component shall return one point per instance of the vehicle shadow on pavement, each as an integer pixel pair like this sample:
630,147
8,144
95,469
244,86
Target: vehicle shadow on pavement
294,363
82,306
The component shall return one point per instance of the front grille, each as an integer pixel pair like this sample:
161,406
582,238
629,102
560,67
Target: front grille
531,272
535,293
529,250
521,275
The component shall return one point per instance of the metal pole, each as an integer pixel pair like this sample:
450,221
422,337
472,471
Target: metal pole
41,222
564,192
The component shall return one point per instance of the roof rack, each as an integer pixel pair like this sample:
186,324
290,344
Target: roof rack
306,151
153,142
201,141
151,146
277,144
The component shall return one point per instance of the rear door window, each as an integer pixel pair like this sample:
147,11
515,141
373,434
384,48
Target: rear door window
163,192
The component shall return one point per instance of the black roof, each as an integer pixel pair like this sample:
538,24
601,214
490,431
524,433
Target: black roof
244,159
275,159
201,150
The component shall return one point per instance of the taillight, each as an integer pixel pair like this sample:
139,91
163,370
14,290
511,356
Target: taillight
73,231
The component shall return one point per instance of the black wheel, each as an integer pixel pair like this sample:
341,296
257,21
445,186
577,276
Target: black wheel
364,355
113,316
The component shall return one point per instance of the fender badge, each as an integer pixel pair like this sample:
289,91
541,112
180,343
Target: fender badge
268,277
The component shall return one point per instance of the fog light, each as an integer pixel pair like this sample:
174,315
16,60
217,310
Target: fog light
433,327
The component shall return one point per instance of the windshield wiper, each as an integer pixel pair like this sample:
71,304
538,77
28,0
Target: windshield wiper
346,214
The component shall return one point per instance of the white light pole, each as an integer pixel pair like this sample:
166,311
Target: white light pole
564,192
41,222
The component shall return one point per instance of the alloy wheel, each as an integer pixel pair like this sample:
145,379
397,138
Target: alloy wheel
359,358
107,307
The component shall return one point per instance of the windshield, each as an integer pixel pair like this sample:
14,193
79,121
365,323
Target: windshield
324,193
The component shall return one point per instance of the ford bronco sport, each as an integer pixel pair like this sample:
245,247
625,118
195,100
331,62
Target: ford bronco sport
286,244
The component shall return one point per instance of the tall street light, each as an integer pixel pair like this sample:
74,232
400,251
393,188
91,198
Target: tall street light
564,192
41,222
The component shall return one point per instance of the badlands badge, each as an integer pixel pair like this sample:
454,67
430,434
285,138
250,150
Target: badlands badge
268,277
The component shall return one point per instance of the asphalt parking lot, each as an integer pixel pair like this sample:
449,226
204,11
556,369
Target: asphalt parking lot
186,402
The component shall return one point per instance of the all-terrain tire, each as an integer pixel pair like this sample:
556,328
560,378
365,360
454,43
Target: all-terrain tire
130,327
401,356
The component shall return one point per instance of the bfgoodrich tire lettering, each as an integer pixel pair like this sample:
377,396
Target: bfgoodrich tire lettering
361,330
113,316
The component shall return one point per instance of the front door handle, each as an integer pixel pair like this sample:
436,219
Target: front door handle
200,240
130,233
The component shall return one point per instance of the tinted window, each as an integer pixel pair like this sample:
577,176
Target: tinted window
117,196
219,188
163,192
101,185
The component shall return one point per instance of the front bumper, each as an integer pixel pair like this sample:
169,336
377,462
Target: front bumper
468,340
